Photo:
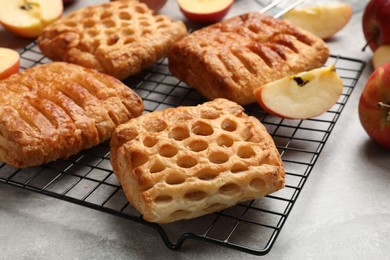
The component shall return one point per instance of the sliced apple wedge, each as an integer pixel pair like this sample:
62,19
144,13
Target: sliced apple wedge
381,56
27,18
205,11
9,62
322,20
305,95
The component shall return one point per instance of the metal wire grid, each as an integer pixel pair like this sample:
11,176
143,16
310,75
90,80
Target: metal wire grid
87,178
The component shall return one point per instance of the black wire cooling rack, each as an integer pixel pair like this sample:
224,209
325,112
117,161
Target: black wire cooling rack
87,178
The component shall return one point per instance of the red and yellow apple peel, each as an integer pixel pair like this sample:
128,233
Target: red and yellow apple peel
374,106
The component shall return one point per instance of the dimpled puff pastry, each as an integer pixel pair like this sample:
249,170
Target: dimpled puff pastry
118,38
232,58
55,110
185,162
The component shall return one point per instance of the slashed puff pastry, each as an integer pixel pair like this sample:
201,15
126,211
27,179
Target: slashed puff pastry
55,110
185,162
118,38
232,58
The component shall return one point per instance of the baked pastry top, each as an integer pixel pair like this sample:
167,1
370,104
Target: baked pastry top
232,58
118,38
57,109
185,162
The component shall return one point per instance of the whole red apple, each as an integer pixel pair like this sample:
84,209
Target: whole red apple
376,23
374,106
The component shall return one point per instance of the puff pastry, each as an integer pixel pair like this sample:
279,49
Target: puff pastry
55,110
118,38
185,162
232,58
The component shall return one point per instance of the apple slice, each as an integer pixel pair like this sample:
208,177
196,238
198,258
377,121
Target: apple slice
27,18
9,62
305,95
322,20
381,56
205,11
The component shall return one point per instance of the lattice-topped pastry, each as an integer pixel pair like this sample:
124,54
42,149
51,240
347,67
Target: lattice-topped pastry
55,110
185,162
118,38
232,58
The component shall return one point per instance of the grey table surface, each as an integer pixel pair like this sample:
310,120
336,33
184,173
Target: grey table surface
342,213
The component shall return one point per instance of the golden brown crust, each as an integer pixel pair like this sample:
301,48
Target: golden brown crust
185,162
232,58
55,110
118,38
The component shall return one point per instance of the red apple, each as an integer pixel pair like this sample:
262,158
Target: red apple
9,62
376,23
205,11
28,18
374,106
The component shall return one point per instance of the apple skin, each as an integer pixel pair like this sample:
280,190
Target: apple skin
375,119
155,5
9,62
211,17
376,23
66,2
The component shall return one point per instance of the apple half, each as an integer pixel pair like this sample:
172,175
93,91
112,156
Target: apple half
301,96
9,62
381,56
27,18
205,11
323,20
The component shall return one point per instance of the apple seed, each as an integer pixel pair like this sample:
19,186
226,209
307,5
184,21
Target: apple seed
301,82
29,5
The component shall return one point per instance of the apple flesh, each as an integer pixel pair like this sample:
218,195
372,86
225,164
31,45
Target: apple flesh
9,62
323,20
376,23
305,95
27,18
205,11
374,106
381,56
